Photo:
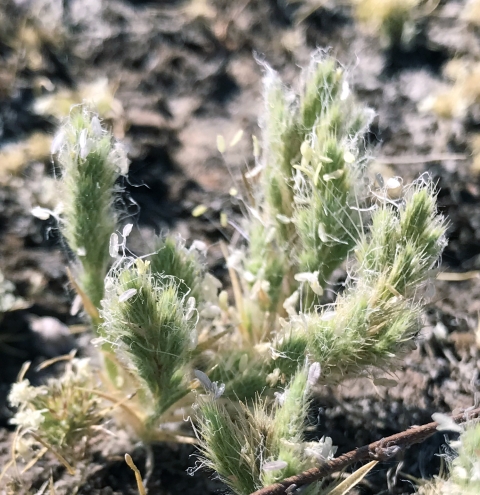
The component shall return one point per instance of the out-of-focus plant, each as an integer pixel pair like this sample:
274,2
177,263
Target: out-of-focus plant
393,21
456,101
471,12
164,325
460,100
8,301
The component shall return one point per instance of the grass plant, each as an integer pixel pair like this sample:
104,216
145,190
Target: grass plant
168,331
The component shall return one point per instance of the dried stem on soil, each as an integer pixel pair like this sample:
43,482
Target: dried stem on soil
381,450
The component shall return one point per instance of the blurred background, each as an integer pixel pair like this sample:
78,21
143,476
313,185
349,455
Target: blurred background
169,76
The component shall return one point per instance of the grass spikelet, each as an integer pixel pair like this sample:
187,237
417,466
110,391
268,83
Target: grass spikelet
146,316
90,166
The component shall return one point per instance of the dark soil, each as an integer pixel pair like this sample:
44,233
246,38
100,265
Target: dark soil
182,79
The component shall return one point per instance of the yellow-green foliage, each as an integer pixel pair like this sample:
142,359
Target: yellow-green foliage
63,415
391,18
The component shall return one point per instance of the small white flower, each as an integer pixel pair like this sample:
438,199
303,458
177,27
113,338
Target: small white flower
82,140
29,418
85,150
199,246
446,423
394,187
82,367
235,260
126,230
323,450
120,157
248,276
41,213
128,294
290,303
284,219
345,90
190,308
393,183
81,251
280,397
113,248
312,279
314,372
460,472
348,157
57,142
274,465
22,393
96,126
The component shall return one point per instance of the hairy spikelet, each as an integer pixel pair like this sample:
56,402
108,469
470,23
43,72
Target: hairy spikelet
252,447
148,318
90,164
378,315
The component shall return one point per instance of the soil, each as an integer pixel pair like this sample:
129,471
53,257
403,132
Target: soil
185,72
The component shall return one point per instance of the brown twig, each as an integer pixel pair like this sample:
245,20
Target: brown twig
382,450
